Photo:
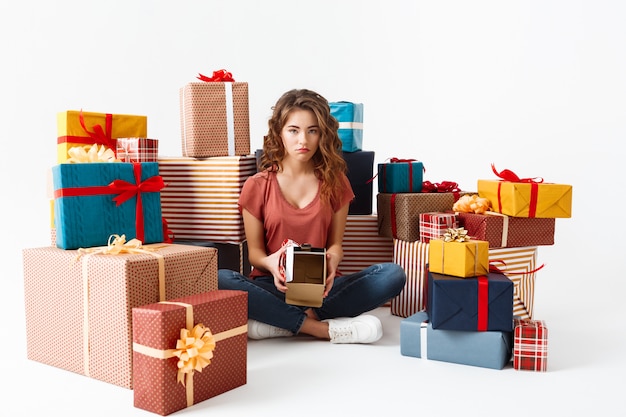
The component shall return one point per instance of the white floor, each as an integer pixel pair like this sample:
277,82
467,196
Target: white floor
301,376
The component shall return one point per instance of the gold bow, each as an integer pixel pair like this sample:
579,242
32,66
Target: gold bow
117,244
93,153
194,351
456,235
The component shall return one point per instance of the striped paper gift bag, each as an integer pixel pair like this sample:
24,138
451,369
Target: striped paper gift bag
412,257
200,199
520,266
530,345
362,246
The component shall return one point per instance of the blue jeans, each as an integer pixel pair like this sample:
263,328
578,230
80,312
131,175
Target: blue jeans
350,295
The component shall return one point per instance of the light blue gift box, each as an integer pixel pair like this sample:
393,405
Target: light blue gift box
491,349
85,212
350,118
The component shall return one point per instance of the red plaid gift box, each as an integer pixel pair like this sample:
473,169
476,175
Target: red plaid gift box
434,224
137,149
530,345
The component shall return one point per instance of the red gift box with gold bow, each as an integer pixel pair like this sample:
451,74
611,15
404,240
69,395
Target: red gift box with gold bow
189,349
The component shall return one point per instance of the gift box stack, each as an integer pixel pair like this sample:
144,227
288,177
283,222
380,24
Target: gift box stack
106,299
502,226
362,244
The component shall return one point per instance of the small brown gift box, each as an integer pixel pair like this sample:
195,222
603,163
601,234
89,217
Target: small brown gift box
158,384
215,119
78,312
399,214
502,231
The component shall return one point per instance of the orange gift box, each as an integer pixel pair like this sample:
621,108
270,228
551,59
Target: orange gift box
95,128
215,119
460,259
210,328
78,310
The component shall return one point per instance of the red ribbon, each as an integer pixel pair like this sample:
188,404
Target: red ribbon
168,235
394,227
124,191
483,303
100,136
218,76
510,176
493,268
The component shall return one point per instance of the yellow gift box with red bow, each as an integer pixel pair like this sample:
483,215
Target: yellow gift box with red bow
80,128
526,197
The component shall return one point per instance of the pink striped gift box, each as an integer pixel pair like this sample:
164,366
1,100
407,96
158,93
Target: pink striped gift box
413,257
520,265
530,345
199,201
362,246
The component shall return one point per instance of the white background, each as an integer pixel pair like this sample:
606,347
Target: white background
538,87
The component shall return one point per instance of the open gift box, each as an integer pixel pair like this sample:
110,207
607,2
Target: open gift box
305,275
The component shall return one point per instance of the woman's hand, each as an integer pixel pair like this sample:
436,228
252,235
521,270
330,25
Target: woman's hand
332,263
274,267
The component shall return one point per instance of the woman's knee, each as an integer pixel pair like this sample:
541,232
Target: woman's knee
396,275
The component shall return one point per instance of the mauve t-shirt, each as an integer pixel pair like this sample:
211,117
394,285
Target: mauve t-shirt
262,197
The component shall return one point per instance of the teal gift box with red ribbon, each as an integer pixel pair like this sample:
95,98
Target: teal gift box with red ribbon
92,201
400,176
482,303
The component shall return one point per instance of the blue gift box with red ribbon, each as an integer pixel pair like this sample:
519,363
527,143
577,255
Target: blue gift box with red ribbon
400,176
93,201
482,303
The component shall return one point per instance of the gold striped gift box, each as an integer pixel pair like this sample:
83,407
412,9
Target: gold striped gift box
521,264
362,246
412,257
199,201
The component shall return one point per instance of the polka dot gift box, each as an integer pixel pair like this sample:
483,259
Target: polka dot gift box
189,349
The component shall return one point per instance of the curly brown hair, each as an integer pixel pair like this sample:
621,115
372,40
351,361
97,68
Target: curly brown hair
328,160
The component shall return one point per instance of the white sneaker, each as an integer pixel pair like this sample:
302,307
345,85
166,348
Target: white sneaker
360,329
258,330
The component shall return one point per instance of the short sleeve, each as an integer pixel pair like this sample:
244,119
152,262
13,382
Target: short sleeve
346,196
252,195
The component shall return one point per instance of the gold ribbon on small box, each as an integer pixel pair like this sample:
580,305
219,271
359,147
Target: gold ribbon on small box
456,235
194,349
116,245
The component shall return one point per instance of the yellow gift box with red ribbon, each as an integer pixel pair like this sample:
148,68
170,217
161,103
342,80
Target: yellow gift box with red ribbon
526,197
81,128
458,255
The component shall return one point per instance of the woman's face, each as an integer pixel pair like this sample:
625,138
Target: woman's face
301,135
